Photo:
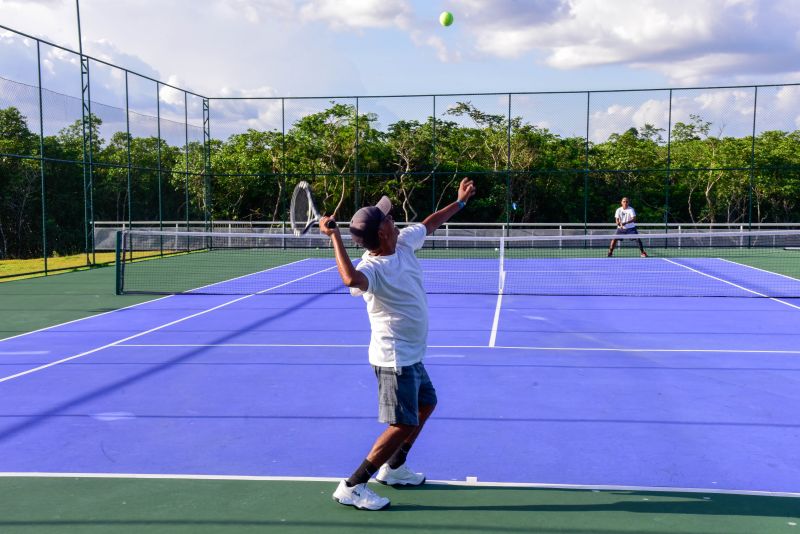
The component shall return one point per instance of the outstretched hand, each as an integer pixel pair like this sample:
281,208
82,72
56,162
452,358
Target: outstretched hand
466,190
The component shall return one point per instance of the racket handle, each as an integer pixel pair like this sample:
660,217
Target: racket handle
330,224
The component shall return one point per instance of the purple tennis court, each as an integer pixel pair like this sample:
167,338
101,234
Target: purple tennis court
647,391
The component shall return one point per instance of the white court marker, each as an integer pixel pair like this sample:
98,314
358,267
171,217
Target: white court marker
113,416
171,323
499,347
138,304
657,489
732,284
496,321
23,352
472,480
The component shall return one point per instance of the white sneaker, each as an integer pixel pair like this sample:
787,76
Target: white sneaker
402,476
359,496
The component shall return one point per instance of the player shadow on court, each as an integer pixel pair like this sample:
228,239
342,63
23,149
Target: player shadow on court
642,502
42,417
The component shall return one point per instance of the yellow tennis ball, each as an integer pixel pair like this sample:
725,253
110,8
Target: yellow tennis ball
446,18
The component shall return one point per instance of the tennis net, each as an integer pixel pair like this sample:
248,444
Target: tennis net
710,264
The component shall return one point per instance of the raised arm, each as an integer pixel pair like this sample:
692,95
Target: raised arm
350,276
465,191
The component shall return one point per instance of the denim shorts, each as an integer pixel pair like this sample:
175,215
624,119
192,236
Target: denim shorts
401,392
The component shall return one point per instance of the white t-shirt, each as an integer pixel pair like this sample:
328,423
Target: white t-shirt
396,302
625,215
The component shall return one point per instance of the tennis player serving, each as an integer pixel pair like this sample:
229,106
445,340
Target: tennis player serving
389,278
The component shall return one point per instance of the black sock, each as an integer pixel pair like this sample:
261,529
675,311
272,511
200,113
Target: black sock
399,457
362,474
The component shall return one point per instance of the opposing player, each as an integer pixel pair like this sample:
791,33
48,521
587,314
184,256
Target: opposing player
626,224
389,278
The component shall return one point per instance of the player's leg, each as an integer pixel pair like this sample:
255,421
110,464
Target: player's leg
417,395
642,253
427,400
354,490
388,442
611,247
620,231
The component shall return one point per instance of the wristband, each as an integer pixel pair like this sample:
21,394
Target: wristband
461,204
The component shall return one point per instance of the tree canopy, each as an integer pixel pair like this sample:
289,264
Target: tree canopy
524,173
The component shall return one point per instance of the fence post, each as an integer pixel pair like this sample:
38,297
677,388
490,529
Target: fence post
128,138
283,170
86,126
508,166
186,147
669,168
752,165
160,203
355,167
586,173
207,163
434,162
41,157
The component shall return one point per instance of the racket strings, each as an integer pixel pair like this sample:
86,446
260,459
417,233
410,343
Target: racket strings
302,210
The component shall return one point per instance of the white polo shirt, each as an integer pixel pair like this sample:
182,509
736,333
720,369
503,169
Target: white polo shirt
625,215
396,302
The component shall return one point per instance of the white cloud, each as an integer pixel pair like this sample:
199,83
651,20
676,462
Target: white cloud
256,11
309,47
655,112
251,110
358,14
172,96
788,98
44,3
443,53
689,41
730,112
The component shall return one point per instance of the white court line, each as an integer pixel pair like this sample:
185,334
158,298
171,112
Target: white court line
242,345
496,321
471,481
734,285
503,347
51,364
84,318
141,303
793,279
598,271
589,271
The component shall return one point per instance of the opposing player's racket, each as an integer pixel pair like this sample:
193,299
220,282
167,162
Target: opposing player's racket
302,211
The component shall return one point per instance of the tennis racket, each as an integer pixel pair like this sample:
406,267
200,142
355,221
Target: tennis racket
302,211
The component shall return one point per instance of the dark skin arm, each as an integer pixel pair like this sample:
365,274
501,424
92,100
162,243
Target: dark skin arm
350,276
433,221
354,278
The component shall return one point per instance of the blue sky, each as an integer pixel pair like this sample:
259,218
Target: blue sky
385,47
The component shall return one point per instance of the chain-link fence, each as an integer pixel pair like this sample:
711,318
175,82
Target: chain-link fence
117,148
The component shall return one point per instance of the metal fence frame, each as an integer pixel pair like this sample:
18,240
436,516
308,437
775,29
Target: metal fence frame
89,164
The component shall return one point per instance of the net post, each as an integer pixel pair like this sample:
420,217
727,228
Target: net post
118,263
502,277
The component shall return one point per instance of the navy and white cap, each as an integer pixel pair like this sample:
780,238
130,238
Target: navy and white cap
365,223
